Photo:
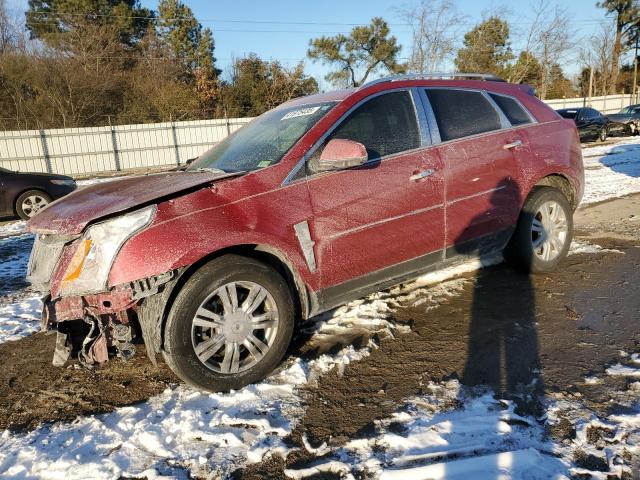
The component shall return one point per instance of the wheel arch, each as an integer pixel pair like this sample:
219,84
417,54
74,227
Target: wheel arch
264,253
562,183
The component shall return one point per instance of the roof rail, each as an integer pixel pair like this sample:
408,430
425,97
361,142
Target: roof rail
441,76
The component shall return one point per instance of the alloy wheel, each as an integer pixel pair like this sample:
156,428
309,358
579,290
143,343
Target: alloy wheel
33,204
549,231
603,134
234,327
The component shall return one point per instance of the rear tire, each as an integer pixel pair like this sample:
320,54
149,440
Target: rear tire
31,202
544,232
230,325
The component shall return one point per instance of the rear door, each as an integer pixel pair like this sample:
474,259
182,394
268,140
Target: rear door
480,152
385,218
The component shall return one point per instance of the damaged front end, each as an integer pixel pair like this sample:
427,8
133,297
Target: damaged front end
93,320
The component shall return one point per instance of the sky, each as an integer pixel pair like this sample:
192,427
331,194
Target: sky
281,29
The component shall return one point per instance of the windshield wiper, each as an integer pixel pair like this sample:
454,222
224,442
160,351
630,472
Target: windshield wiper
209,170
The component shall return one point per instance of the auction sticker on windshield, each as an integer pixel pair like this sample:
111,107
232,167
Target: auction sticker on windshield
301,113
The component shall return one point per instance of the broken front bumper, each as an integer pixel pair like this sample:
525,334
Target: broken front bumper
93,324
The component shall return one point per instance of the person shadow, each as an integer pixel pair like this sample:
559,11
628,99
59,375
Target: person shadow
502,345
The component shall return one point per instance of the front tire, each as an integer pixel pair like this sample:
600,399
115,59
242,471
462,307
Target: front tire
31,202
230,325
603,134
544,232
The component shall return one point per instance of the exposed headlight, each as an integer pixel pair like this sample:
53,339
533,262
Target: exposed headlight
63,182
88,271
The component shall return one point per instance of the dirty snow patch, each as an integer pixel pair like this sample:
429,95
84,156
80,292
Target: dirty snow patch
623,371
611,171
484,438
578,246
13,228
20,319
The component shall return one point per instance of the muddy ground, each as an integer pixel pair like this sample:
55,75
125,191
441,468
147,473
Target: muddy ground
32,391
546,331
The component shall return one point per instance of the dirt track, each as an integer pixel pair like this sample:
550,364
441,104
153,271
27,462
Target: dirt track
547,331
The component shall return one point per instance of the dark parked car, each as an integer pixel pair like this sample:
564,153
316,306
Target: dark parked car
591,124
627,120
317,202
25,194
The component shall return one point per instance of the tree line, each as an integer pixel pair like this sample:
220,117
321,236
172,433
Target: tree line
82,63
547,37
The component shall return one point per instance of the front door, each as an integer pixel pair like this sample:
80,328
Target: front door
385,218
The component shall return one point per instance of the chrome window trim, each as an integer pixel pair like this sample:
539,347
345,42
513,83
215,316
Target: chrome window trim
430,116
296,168
482,92
421,116
532,119
505,123
434,126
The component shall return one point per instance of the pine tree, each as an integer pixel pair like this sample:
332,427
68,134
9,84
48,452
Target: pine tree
486,48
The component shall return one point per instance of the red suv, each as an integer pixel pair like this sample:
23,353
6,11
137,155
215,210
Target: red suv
313,204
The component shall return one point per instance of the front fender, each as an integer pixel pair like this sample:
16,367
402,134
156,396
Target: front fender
180,242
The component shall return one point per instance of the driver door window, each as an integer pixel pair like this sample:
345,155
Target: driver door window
385,125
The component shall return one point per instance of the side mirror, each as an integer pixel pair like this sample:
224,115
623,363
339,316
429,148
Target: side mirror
339,154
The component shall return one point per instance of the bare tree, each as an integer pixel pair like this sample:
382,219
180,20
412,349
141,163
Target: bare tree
547,41
552,41
595,54
12,35
434,27
627,18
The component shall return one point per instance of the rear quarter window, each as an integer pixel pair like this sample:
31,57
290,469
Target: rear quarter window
512,110
461,113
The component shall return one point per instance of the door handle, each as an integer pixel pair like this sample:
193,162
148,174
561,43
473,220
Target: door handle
422,174
517,143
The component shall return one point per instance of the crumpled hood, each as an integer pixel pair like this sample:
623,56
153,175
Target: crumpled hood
71,214
619,117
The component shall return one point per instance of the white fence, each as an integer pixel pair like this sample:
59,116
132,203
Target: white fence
84,151
606,104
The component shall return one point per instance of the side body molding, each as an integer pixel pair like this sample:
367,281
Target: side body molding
306,243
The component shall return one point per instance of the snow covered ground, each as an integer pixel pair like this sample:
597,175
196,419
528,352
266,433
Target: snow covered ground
611,170
211,434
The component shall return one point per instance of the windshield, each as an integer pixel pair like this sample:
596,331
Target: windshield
630,109
568,113
264,141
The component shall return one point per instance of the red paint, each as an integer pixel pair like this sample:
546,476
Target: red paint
106,199
338,149
361,219
116,302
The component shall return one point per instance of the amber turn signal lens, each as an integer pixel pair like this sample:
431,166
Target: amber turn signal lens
77,261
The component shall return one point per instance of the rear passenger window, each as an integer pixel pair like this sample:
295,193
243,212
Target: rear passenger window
460,113
385,125
512,109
